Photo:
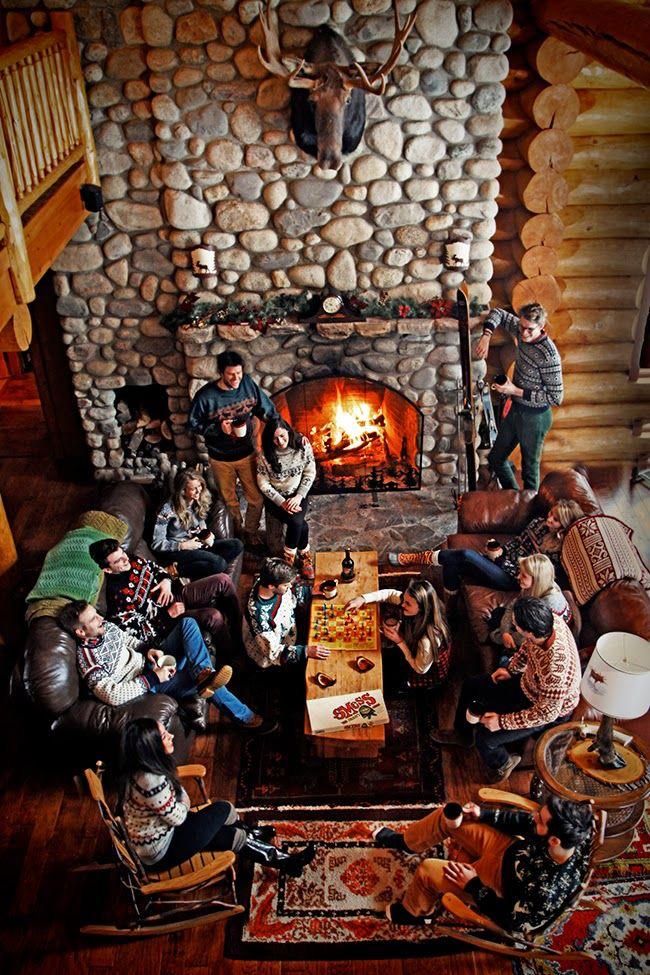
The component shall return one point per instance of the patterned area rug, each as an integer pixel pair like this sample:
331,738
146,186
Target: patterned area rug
613,919
282,768
336,908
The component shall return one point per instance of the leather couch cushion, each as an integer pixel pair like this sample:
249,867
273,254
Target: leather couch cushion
50,673
570,484
625,606
496,511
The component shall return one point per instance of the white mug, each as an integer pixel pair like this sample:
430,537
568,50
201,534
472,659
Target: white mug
167,661
239,428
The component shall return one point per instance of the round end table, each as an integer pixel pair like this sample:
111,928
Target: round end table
557,775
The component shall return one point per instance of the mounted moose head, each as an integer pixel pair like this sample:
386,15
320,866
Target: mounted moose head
328,111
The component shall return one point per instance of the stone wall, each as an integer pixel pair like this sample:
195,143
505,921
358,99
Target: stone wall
194,147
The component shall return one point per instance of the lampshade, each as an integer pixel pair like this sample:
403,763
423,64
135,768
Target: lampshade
203,261
617,678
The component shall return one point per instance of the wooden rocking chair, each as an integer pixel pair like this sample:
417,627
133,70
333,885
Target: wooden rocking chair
505,942
159,899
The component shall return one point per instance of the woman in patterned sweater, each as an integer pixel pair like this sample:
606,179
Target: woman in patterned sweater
500,572
161,826
285,473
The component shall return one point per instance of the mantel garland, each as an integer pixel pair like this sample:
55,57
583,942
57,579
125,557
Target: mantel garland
192,313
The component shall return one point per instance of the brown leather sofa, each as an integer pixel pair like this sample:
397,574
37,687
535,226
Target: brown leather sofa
624,605
88,728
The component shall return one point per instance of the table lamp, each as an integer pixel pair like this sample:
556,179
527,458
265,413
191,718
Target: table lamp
617,683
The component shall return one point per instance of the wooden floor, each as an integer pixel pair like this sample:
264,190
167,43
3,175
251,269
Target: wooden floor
45,828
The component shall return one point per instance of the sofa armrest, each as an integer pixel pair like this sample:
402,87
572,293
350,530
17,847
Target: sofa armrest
495,511
220,520
92,717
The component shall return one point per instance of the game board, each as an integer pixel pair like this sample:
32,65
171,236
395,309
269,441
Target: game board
335,629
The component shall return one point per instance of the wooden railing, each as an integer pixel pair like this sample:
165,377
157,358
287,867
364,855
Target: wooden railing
39,121
45,139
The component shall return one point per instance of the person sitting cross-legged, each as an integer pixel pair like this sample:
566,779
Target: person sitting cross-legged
539,687
522,869
117,667
162,827
270,632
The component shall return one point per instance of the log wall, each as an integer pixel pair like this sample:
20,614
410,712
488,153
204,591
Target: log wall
573,232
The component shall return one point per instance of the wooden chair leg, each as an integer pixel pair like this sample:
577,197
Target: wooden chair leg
155,924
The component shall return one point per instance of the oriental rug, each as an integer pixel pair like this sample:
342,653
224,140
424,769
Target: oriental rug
282,769
612,919
336,908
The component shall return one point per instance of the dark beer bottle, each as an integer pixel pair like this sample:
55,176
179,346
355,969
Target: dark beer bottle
347,567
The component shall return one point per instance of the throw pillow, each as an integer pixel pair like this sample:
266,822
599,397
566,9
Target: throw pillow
597,551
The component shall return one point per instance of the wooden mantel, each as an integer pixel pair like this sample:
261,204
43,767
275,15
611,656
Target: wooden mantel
613,32
47,153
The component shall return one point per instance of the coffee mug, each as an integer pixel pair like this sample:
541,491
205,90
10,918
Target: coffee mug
329,588
474,713
499,380
167,661
453,813
239,428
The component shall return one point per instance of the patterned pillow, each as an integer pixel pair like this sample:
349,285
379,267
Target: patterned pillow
597,551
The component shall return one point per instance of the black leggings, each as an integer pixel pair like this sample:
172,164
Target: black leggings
297,535
203,562
210,828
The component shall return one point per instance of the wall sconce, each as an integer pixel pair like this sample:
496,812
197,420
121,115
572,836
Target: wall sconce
617,683
455,253
203,261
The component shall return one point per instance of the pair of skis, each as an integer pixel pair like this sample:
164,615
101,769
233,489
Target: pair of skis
466,409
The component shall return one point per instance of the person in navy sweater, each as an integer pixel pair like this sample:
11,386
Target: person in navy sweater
222,412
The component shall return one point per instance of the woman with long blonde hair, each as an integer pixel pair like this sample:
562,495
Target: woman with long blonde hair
499,569
536,577
418,628
181,533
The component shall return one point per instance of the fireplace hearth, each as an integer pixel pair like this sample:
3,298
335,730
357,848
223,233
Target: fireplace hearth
366,437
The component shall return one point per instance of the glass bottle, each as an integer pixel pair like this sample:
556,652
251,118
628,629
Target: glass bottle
347,567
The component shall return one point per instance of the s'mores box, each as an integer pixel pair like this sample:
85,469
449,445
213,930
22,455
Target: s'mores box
360,710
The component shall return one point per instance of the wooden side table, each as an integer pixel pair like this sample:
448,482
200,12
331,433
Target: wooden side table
559,776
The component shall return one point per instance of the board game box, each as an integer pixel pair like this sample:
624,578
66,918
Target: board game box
362,709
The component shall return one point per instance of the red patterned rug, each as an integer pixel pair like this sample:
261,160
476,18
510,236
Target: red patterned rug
336,909
612,920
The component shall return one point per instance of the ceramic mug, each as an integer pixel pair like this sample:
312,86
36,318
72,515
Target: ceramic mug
329,588
453,813
167,661
239,428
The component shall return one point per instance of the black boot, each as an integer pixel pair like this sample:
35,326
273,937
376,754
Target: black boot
263,833
195,712
270,856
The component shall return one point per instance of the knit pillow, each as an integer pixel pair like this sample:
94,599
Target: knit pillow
597,551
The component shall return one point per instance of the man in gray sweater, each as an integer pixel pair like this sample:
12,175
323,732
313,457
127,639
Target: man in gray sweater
536,387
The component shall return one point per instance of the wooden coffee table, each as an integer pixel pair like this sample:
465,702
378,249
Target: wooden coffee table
345,647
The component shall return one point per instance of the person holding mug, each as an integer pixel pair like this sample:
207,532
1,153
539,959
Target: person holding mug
418,626
181,534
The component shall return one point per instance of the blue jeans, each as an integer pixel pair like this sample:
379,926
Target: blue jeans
185,643
459,563
503,697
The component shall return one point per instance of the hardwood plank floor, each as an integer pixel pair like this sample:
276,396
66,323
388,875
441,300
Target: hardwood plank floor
46,829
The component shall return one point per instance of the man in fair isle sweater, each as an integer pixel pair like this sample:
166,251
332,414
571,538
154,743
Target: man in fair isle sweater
270,619
223,413
539,687
117,667
534,389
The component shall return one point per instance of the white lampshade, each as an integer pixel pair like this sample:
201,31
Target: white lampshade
203,261
455,254
617,678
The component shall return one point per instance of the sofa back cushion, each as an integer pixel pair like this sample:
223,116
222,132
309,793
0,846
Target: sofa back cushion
50,673
569,484
597,551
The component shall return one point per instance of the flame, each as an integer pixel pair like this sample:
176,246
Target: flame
352,419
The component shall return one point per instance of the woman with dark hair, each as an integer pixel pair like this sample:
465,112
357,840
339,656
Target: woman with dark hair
286,471
162,828
419,629
181,534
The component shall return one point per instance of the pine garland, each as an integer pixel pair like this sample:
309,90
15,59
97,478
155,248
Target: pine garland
193,313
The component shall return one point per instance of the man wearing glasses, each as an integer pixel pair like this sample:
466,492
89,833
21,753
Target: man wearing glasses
535,387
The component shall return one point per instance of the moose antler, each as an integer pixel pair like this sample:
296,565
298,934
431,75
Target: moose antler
271,57
375,82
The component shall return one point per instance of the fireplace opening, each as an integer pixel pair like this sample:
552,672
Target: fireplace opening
365,436
143,415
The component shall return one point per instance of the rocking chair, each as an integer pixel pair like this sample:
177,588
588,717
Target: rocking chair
515,945
159,899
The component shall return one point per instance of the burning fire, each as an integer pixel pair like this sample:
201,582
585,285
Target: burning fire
353,425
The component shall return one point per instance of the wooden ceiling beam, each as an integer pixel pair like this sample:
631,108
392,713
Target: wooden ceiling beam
613,32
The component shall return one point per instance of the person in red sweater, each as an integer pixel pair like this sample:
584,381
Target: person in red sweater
539,687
